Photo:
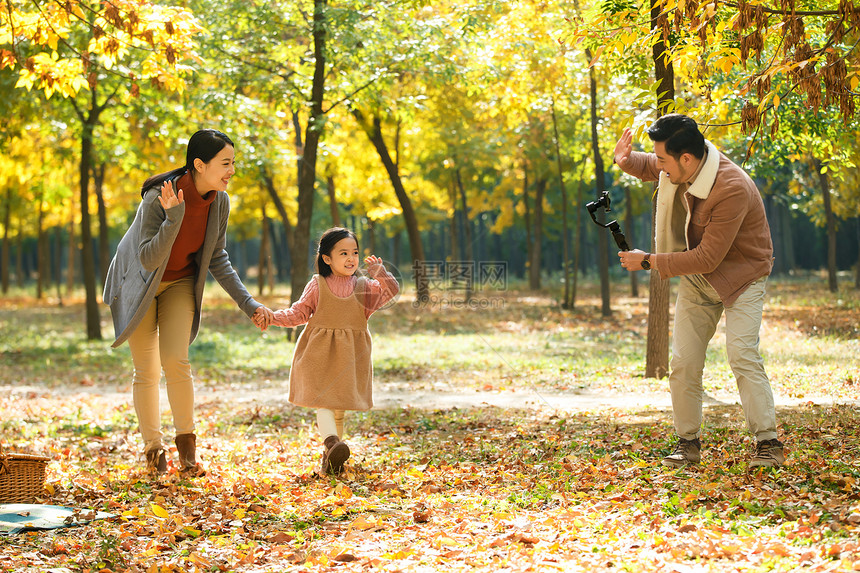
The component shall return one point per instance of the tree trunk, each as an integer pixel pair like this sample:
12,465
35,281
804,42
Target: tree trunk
469,250
788,238
371,235
527,213
453,231
41,253
19,260
87,256
657,352
577,244
657,346
857,265
279,246
771,209
374,133
299,247
104,246
58,269
4,256
537,236
565,240
628,225
395,257
332,202
779,218
830,220
600,182
269,183
263,268
73,249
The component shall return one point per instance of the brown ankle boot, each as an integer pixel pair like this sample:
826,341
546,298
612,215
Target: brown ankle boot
335,454
186,448
156,461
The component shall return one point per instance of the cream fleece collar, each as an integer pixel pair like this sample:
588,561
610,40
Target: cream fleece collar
700,188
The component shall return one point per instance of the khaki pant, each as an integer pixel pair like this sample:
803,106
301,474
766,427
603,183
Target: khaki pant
697,313
161,342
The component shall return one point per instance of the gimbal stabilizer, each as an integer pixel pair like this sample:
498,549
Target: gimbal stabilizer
613,226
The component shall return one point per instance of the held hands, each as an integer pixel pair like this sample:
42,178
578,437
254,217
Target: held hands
623,148
632,260
263,317
168,198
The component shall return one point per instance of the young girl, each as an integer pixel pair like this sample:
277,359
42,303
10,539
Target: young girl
331,369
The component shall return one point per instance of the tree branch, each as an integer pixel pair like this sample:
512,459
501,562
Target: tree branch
286,76
790,13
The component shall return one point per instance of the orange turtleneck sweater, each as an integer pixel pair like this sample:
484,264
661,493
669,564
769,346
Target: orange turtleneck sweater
181,262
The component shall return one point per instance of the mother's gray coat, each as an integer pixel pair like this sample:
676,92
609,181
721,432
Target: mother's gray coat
141,257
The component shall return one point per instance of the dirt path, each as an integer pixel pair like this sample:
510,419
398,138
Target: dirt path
395,396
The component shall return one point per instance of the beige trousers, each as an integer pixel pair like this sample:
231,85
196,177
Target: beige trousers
697,313
159,343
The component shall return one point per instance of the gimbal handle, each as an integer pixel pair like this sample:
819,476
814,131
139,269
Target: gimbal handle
613,226
619,237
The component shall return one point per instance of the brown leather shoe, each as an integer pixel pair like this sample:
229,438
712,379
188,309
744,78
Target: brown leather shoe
768,454
686,452
186,448
156,461
335,454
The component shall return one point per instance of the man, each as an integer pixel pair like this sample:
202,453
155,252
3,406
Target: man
710,230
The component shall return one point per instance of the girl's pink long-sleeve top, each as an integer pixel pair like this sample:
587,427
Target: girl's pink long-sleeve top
380,290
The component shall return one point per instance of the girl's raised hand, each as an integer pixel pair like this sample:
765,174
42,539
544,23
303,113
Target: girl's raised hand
168,198
374,264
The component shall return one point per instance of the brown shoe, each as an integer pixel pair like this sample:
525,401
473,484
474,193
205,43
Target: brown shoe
686,452
156,461
335,454
768,454
186,448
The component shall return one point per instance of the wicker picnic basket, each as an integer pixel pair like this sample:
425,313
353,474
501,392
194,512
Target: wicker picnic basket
22,476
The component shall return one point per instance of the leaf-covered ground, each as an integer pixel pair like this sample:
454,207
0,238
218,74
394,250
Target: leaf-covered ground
462,489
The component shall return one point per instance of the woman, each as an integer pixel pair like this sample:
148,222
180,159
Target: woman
155,287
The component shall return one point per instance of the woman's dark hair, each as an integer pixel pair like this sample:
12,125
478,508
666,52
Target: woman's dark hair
204,145
680,133
327,242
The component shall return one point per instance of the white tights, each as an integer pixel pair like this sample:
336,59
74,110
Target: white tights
330,422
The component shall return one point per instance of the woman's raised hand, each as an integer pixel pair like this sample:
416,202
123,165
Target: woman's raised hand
168,197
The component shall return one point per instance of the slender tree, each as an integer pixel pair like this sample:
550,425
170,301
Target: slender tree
373,128
657,345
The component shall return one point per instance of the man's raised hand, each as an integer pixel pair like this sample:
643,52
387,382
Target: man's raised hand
624,148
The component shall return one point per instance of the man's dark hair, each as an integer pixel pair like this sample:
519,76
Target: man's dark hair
680,134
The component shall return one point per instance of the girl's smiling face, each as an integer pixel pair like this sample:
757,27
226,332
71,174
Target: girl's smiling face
343,258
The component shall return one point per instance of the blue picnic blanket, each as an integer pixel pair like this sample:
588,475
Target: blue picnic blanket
18,517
